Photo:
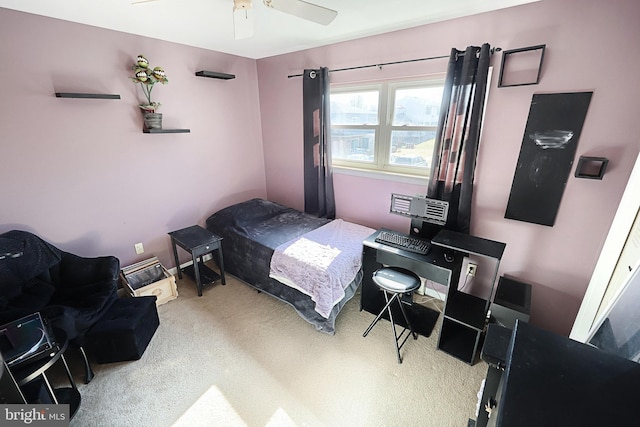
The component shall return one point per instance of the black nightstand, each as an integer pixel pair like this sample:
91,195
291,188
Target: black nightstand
198,242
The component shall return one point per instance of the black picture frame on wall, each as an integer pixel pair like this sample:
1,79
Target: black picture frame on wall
521,67
591,167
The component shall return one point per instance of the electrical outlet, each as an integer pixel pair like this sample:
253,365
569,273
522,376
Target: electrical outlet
471,269
139,248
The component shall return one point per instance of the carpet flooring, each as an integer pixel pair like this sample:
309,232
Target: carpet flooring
236,357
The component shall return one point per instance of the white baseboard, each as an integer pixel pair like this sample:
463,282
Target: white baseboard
174,270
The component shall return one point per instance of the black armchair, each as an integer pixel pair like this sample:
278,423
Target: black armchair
69,291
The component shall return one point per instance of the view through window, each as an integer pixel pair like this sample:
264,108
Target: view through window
389,127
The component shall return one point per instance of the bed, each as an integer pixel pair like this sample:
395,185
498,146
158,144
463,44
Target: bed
258,238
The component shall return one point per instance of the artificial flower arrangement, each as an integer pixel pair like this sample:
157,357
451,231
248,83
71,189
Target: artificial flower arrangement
148,77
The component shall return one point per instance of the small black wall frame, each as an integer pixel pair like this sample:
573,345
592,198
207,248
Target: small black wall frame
510,53
591,167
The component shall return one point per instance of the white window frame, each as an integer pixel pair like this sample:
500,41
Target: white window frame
386,102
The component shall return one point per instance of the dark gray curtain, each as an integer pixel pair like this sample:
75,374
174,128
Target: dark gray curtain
458,134
318,175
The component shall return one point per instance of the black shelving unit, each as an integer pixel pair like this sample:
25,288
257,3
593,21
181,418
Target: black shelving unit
467,309
465,314
458,340
166,130
215,75
87,95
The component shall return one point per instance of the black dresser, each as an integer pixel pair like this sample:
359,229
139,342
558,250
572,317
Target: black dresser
537,378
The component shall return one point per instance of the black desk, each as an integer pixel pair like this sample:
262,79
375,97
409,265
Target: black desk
464,314
198,242
432,266
551,380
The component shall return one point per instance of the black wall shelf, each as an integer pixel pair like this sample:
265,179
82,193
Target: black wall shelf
87,95
215,75
166,130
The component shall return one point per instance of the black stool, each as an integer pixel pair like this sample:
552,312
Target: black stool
395,281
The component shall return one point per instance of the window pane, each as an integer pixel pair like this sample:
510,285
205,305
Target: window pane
412,148
417,106
354,108
353,144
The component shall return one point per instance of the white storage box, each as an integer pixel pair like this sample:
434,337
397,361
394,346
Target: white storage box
149,277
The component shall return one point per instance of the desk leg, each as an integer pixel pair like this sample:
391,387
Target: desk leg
371,299
175,257
196,272
221,264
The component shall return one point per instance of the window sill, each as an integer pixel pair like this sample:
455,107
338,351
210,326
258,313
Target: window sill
385,176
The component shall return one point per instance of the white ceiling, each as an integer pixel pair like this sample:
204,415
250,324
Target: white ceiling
208,24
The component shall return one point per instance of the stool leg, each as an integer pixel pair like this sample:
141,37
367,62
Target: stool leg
378,316
393,325
406,318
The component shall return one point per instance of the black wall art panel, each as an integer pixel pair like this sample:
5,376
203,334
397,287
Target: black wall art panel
546,156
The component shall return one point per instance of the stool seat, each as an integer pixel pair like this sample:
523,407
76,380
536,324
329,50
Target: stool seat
395,281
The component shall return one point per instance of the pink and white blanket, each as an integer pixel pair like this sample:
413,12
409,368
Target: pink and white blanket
322,262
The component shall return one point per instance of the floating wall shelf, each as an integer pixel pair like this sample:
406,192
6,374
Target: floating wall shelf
215,75
166,130
86,95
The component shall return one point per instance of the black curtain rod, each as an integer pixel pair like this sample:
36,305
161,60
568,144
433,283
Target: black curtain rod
377,65
497,49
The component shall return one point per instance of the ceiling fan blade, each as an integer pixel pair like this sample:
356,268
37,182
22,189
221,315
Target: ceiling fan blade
242,22
304,10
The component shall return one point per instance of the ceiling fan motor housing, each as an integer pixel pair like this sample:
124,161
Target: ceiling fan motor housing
241,4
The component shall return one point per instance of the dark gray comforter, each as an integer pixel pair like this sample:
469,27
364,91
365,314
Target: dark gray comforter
251,231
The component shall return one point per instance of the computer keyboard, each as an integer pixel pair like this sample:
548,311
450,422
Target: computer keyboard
402,241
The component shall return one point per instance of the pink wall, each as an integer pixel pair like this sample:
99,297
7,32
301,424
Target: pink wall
590,47
81,174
